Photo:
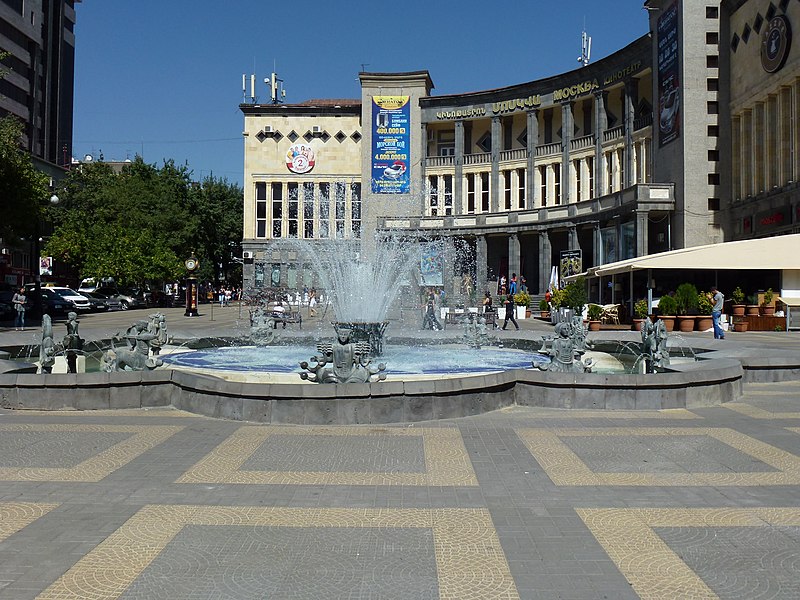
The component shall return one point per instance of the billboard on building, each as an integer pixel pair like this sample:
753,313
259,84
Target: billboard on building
431,264
570,263
391,118
669,95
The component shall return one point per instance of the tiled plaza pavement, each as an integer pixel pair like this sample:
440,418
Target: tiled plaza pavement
522,503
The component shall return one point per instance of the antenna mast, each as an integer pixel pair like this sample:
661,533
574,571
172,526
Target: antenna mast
276,91
586,46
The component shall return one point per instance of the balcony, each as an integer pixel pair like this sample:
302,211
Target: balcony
548,149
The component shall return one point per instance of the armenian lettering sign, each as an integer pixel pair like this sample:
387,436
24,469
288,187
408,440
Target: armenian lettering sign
391,119
669,98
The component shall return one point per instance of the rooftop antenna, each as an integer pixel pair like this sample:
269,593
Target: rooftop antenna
586,46
276,91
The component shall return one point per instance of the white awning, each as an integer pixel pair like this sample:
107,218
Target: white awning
780,252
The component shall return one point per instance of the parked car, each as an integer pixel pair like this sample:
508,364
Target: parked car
127,298
102,302
70,296
53,304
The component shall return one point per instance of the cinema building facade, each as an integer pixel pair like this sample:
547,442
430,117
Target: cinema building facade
684,137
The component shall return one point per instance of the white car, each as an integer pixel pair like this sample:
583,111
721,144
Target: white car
394,171
72,297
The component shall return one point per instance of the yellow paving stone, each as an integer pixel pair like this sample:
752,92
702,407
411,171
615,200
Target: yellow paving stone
653,569
759,413
14,516
577,413
469,560
113,412
564,467
97,467
446,460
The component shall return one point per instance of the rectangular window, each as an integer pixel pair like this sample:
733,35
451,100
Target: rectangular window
712,108
712,12
324,209
712,37
577,166
261,209
340,208
713,204
485,206
521,189
471,193
293,209
590,170
712,61
713,179
277,210
355,206
433,195
308,210
543,185
712,84
713,131
621,169
448,194
610,174
557,183
713,155
507,189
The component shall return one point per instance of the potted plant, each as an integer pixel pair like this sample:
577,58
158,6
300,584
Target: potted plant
738,302
751,309
686,300
704,320
594,312
739,324
522,300
544,309
640,310
667,311
767,307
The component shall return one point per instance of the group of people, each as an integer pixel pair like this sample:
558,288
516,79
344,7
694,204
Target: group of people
513,285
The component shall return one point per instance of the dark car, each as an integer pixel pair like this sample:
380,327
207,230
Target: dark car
54,304
102,302
127,298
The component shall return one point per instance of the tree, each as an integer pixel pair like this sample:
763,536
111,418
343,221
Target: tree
139,225
23,189
219,206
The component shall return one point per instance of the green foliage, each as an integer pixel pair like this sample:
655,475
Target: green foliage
139,225
594,312
704,303
768,296
544,306
23,190
522,299
737,295
667,306
575,296
686,298
640,309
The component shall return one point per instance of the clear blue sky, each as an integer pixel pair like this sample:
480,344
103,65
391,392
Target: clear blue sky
163,78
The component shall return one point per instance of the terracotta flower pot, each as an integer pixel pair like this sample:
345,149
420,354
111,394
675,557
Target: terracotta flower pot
637,324
594,325
751,309
738,310
740,326
767,311
704,323
669,322
685,323
544,314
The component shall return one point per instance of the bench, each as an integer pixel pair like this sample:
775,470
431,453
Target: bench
289,316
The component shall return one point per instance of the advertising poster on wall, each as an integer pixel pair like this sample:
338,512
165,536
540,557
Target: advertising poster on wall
431,264
391,118
570,263
669,100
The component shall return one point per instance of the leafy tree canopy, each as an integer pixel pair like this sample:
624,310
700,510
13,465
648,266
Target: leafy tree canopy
139,225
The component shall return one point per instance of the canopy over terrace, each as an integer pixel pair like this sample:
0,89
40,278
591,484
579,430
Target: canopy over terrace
780,253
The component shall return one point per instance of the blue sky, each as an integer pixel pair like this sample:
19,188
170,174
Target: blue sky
163,78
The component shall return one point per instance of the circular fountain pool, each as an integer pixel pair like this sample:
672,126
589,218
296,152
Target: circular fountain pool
281,363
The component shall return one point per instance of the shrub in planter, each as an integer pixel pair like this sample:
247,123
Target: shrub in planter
667,309
575,295
686,298
594,312
752,305
640,312
522,299
767,308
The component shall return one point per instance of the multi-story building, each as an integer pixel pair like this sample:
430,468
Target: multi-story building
661,145
37,87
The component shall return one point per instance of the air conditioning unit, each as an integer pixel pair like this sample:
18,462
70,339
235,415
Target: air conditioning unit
247,255
316,129
269,129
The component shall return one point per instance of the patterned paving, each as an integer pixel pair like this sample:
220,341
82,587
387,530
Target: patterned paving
655,570
756,412
440,457
463,544
566,467
16,515
33,443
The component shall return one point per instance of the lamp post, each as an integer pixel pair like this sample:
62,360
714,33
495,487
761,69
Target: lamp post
36,260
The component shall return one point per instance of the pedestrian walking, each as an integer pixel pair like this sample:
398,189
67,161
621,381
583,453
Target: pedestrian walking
430,321
19,301
717,300
509,304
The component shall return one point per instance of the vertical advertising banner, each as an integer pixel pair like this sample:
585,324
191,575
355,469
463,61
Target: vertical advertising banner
391,119
570,263
431,264
669,95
